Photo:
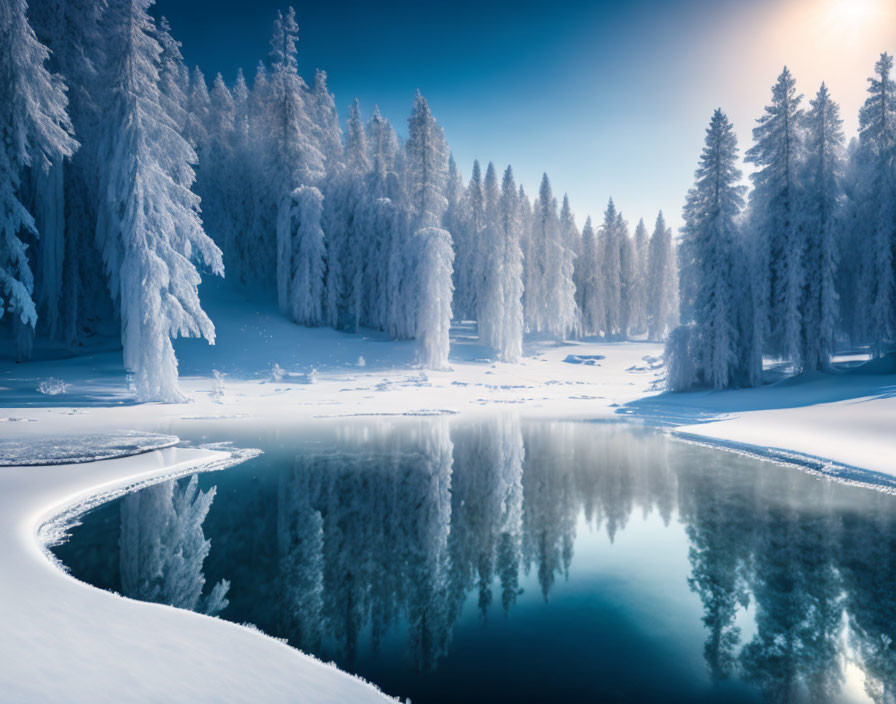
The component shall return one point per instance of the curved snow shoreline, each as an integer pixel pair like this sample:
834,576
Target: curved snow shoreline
821,467
67,641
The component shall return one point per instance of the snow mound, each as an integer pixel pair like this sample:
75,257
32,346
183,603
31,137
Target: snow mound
82,448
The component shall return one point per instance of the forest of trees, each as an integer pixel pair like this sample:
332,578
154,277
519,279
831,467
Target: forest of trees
807,260
125,177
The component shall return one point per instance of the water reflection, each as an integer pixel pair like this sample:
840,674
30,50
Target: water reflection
393,530
163,547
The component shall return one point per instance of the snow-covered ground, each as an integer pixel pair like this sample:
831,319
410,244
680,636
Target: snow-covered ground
63,640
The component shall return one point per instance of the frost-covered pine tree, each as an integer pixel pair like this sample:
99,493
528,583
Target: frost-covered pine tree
453,221
590,284
389,231
572,241
776,237
216,182
35,132
149,228
659,289
350,278
305,257
610,266
511,349
470,254
383,145
554,297
293,159
639,315
241,177
432,264
68,283
822,223
628,279
876,208
198,108
322,111
571,235
174,77
490,299
710,231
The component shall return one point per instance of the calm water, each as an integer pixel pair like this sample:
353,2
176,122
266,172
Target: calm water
507,561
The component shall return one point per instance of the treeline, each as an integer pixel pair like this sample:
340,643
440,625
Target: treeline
807,260
113,144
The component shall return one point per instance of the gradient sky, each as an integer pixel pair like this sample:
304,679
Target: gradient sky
610,98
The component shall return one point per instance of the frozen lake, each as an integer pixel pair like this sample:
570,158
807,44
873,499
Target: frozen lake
499,560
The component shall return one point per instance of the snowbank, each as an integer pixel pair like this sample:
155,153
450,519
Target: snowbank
74,449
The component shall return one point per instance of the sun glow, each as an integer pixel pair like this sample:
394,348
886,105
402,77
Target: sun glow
856,15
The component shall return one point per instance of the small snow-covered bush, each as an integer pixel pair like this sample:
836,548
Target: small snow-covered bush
52,387
681,365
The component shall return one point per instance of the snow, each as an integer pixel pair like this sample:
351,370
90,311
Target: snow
65,640
79,448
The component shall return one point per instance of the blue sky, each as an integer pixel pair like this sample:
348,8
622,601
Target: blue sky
610,98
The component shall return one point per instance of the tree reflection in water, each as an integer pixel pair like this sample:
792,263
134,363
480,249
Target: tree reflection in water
394,527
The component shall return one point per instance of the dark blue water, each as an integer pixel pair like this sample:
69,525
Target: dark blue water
507,561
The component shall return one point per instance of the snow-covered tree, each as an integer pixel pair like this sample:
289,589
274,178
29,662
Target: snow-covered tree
777,244
434,289
639,288
628,279
149,227
469,261
174,77
348,241
511,347
383,145
710,231
216,181
552,299
610,266
822,221
429,281
490,298
35,131
876,207
293,159
660,289
303,253
590,284
322,111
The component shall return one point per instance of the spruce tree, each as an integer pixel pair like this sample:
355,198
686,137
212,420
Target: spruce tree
149,227
610,267
876,191
710,231
777,239
659,292
512,269
822,213
35,132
